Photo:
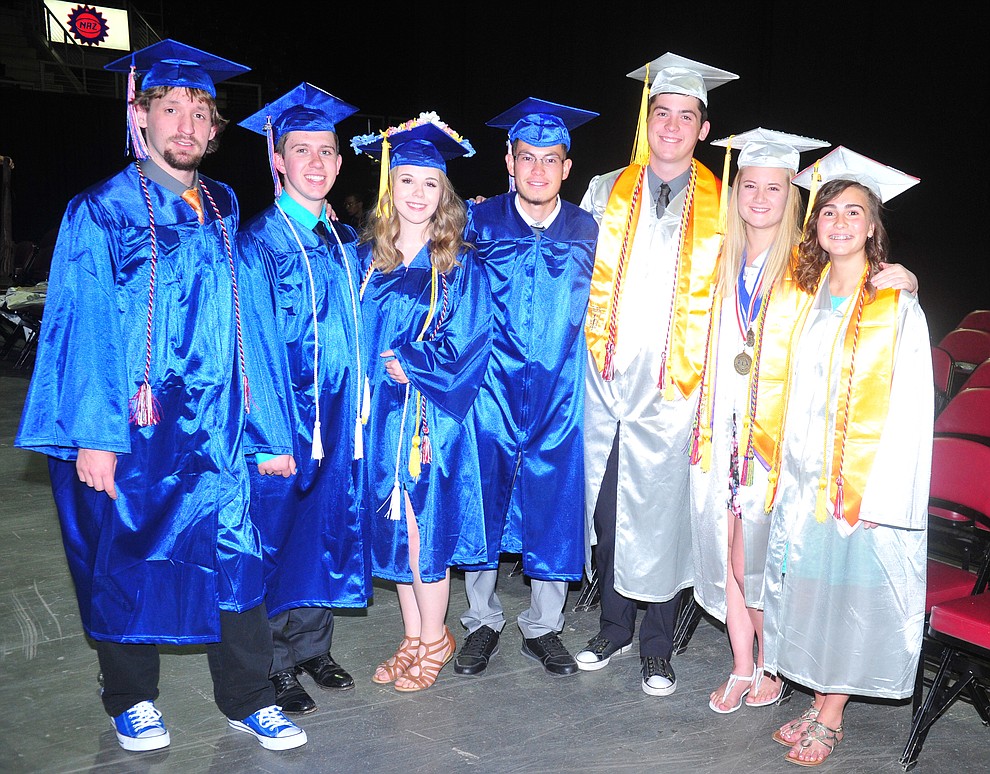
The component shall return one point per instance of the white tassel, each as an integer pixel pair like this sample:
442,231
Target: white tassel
317,453
366,402
395,502
358,439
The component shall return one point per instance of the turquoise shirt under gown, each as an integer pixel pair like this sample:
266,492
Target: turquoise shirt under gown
530,411
158,563
447,368
312,531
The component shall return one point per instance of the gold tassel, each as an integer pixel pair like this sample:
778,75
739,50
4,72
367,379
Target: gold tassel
816,179
821,500
415,459
384,210
706,449
317,452
723,199
641,145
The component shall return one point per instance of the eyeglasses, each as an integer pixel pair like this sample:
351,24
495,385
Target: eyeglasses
528,160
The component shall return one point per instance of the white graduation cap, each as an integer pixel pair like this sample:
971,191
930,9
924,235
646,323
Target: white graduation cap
675,74
769,148
844,164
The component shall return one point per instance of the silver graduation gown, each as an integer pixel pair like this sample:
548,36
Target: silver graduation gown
653,559
848,614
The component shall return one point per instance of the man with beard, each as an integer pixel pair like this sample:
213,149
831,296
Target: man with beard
143,378
538,251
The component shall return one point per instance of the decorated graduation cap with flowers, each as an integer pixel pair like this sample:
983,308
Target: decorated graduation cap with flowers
306,108
172,64
425,141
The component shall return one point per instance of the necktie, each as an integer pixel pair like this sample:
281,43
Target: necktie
322,232
191,197
538,228
663,199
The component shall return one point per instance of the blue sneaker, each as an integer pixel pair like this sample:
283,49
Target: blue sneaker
141,728
273,729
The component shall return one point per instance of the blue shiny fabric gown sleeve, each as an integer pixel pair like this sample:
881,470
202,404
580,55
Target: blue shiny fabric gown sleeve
445,369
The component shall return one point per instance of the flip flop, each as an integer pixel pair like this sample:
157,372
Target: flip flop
733,679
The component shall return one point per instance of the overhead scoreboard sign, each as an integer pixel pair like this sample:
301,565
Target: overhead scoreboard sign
93,26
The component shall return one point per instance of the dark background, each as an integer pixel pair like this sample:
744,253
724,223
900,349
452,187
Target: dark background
904,87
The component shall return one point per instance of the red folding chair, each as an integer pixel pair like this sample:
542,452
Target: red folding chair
969,347
980,376
962,628
978,318
958,531
966,415
942,367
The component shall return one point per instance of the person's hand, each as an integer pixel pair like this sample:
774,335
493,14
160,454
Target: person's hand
96,469
331,215
477,199
868,524
893,275
393,368
281,465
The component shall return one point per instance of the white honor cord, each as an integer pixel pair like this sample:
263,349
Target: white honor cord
317,449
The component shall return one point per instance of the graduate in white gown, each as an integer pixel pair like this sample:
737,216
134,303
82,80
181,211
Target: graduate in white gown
845,573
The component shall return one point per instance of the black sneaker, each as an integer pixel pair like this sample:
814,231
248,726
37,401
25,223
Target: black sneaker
550,651
658,676
477,651
598,653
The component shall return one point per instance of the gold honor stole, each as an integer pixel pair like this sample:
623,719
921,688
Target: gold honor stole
863,398
682,362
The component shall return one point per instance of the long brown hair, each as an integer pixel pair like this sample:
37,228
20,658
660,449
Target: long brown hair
446,232
811,256
781,249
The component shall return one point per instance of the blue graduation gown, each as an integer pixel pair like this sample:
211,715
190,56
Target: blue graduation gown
178,545
311,526
530,410
447,368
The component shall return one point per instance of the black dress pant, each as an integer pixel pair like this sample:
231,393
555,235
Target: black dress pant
300,634
617,614
239,666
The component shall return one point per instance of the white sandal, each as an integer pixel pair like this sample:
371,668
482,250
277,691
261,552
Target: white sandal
733,679
755,689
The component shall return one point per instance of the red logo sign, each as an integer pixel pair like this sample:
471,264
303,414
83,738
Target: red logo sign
87,25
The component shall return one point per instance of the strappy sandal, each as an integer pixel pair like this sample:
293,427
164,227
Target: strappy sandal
396,666
825,736
429,666
794,729
730,684
755,691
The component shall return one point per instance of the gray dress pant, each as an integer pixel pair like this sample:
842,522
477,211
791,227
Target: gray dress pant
544,615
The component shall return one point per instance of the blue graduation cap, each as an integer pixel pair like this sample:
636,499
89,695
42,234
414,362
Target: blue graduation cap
541,123
174,64
425,141
170,63
306,108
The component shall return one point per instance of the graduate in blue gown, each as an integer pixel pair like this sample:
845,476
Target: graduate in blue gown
305,275
143,380
427,309
538,252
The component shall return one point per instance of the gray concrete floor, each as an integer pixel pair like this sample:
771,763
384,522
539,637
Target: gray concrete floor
512,719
